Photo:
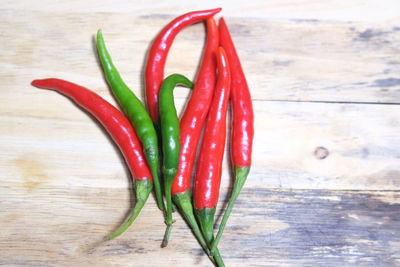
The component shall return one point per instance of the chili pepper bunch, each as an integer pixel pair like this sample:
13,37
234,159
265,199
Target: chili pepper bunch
143,135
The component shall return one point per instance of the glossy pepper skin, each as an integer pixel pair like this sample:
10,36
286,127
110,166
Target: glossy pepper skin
169,123
136,113
119,128
193,118
209,165
154,70
242,125
191,124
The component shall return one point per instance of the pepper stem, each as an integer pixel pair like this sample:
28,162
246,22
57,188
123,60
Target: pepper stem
183,201
154,172
205,217
143,189
218,259
169,220
136,210
166,236
206,220
240,174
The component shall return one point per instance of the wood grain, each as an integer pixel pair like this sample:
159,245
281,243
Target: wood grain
324,185
269,227
289,136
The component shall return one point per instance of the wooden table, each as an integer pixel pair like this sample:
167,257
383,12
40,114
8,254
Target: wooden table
324,186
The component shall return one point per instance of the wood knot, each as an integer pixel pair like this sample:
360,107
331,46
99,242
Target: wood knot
321,152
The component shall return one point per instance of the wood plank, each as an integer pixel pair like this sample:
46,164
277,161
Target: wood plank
300,60
361,10
63,226
323,189
297,145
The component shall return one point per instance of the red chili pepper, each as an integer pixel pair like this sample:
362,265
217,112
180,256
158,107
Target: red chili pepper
243,118
154,72
196,110
209,166
242,124
120,129
191,124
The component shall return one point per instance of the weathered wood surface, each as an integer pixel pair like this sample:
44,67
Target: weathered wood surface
269,227
324,186
296,60
290,136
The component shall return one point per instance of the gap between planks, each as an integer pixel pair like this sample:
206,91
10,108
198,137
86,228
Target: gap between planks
327,102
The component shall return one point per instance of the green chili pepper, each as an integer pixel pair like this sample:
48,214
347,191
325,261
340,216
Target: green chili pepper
136,113
170,140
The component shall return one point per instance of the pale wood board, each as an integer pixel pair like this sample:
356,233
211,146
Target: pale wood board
324,185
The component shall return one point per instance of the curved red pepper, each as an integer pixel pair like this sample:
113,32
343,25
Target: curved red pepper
242,115
196,110
242,126
154,72
111,118
120,129
209,165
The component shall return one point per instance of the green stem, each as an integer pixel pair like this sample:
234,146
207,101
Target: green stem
136,210
150,156
206,220
240,174
218,259
183,201
166,236
169,220
143,189
168,198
